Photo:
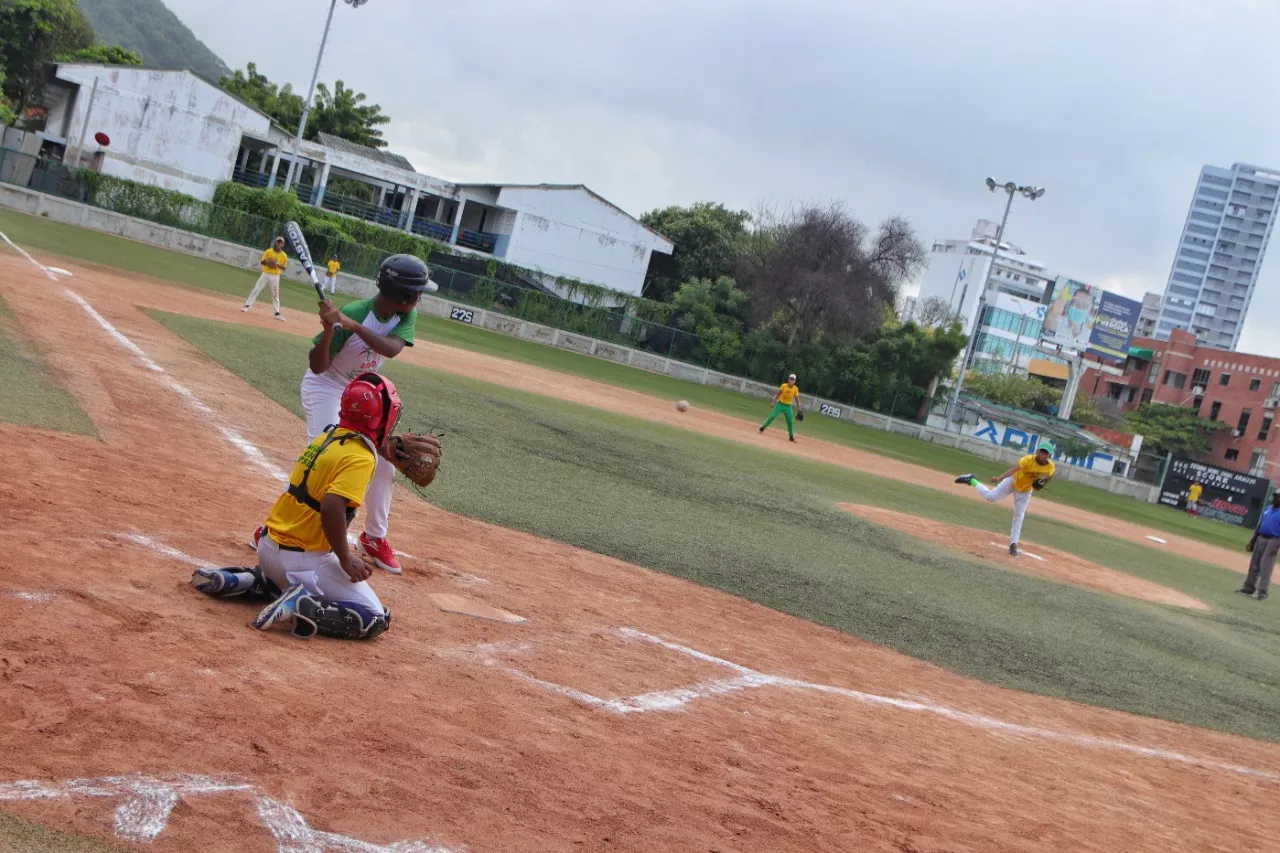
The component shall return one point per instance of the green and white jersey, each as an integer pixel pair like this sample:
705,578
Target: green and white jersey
350,356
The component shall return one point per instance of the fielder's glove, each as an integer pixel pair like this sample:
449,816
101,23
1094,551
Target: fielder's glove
1040,483
799,416
415,456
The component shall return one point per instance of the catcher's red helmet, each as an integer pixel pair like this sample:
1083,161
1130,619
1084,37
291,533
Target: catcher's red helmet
370,406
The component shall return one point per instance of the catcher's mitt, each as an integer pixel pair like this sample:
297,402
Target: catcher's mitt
1040,483
416,456
799,416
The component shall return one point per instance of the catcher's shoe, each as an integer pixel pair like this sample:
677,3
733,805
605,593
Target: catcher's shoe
1247,590
257,536
380,551
964,479
1013,549
283,610
1262,596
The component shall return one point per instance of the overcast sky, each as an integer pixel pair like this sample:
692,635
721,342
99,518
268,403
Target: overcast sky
897,107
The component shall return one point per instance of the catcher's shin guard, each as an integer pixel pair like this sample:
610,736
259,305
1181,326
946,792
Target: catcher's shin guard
234,581
347,620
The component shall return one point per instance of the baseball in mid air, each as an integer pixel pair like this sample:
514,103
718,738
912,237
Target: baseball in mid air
683,405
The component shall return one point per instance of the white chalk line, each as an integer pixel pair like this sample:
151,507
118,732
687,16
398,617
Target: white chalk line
165,551
746,679
248,448
35,597
232,436
1021,553
149,802
1159,540
46,270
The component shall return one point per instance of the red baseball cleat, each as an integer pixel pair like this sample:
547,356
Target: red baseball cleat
380,551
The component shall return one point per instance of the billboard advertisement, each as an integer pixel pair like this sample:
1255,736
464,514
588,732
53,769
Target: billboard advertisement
1073,308
1228,495
1114,327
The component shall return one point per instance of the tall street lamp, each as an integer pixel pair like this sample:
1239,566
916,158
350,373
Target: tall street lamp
1012,189
306,107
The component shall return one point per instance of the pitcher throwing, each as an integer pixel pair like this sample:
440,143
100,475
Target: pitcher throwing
1031,474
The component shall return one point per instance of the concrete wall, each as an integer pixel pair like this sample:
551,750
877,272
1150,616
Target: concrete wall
29,201
168,128
571,232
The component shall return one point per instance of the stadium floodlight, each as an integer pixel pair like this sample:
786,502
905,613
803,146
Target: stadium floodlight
1012,189
306,107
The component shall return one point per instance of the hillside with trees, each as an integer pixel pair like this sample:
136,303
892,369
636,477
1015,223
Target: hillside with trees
149,28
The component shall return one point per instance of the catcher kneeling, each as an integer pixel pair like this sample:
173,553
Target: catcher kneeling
319,583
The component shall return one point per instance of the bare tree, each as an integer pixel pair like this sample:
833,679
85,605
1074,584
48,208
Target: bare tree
819,272
933,313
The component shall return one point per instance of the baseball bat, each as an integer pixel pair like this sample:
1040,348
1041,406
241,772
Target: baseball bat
293,234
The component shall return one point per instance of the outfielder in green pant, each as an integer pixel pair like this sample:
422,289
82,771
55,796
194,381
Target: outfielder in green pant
786,402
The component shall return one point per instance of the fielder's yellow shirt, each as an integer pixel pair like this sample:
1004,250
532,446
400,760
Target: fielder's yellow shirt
333,268
273,262
1193,493
787,393
344,468
1029,470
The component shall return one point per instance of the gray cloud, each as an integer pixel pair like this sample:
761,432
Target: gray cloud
1113,105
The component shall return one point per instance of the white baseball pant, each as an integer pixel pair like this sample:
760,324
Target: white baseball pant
330,282
263,281
1020,502
319,571
321,400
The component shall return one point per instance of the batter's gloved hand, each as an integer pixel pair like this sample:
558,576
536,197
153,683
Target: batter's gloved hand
414,455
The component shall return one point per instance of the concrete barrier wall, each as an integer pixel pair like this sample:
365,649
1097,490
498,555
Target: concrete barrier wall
76,213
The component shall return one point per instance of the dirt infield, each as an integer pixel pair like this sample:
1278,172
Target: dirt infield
633,711
151,293
1038,560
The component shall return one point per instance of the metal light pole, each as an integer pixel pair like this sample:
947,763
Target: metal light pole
315,76
1032,193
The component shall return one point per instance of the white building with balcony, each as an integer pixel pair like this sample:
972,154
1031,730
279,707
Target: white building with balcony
175,130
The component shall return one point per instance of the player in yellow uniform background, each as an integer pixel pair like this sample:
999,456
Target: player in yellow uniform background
1193,499
1032,473
331,275
273,263
786,403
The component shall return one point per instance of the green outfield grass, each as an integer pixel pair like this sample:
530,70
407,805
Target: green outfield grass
32,394
45,235
765,526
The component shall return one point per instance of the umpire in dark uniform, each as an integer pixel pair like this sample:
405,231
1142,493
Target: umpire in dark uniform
1265,546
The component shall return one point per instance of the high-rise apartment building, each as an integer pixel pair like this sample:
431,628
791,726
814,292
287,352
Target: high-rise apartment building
1220,254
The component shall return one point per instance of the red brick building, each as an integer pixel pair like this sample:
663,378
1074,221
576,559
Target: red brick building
1242,391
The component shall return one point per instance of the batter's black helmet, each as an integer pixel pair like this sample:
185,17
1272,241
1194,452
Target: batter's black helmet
402,277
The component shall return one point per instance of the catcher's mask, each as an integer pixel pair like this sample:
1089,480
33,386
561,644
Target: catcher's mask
370,406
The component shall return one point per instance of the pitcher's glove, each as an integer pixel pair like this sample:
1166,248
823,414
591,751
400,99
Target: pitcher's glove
414,455
1040,483
799,416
